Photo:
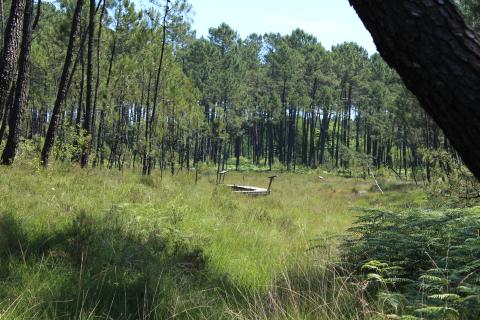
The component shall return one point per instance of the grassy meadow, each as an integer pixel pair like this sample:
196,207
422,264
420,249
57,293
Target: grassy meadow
100,244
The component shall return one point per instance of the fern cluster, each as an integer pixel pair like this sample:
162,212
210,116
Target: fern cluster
418,264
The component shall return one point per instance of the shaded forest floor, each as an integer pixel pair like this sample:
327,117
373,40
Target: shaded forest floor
91,244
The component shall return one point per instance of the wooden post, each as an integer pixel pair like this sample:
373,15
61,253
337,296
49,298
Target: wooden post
221,176
270,183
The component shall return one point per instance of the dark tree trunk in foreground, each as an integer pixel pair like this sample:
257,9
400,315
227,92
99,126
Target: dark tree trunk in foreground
62,87
438,57
10,52
16,110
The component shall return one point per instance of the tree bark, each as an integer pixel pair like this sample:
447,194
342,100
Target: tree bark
437,54
80,105
2,22
97,81
11,97
16,110
87,124
62,88
10,52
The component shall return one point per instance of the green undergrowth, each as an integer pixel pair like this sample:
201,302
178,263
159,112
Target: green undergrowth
104,244
418,264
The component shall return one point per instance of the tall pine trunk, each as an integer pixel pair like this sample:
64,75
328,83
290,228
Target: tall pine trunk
10,52
87,123
62,87
147,167
16,111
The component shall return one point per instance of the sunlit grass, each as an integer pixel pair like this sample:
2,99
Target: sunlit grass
209,253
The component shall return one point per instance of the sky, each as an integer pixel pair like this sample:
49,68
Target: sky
331,21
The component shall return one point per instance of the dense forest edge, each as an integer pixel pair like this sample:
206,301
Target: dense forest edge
115,120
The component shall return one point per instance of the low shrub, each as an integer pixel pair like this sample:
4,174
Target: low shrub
420,264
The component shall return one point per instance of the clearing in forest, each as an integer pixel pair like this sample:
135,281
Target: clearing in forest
94,242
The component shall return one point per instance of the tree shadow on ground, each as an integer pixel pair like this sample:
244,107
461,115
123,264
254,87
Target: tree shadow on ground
103,268
100,268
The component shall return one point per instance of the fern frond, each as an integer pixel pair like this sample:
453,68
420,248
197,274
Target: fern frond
444,296
436,311
433,279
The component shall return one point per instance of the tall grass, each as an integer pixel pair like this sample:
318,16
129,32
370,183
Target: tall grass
99,244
